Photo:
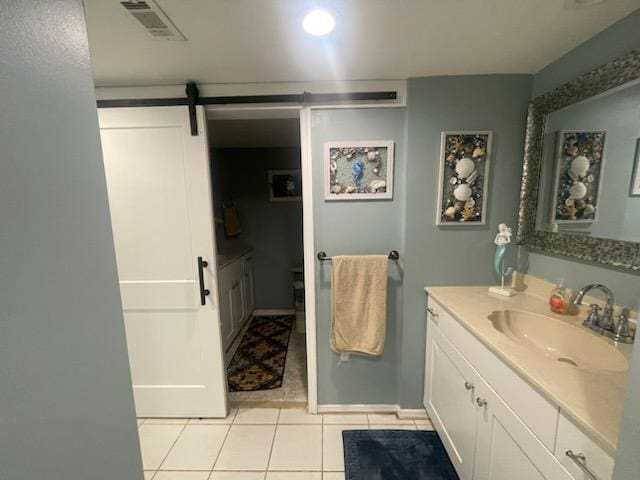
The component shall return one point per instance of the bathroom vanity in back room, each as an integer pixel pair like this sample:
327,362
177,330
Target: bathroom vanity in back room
514,390
236,292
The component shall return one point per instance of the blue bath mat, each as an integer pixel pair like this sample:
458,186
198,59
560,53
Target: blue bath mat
395,455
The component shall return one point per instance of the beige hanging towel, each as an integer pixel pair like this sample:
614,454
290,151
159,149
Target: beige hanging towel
358,303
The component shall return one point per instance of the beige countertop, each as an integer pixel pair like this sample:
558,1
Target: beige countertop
226,258
593,399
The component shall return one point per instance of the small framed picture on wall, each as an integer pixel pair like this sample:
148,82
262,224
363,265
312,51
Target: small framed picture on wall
285,185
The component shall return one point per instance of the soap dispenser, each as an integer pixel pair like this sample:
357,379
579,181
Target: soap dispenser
560,299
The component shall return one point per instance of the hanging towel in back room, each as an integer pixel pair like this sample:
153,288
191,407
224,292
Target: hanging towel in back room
231,220
358,303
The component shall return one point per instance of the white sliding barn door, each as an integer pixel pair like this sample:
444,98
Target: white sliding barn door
159,189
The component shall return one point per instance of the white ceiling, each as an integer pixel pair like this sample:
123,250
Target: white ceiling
244,41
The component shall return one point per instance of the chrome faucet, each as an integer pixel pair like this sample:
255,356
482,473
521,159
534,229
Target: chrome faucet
605,320
604,323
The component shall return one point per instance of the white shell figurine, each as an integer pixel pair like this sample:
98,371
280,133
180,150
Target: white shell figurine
376,185
578,190
503,238
580,166
465,167
462,192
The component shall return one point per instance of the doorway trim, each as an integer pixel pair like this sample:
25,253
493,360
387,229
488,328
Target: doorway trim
304,115
306,165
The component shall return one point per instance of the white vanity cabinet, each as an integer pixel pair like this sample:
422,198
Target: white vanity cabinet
493,424
448,397
235,286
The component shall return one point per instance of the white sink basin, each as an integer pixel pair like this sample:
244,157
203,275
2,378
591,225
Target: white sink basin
568,344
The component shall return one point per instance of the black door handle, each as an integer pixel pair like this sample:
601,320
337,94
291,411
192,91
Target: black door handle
202,264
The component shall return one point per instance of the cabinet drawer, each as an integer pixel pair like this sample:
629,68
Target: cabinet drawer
570,437
539,414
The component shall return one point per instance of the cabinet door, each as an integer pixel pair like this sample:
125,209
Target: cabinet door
449,387
237,307
247,284
505,448
226,322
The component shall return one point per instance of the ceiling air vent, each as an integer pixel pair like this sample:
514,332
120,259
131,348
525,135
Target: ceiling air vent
154,21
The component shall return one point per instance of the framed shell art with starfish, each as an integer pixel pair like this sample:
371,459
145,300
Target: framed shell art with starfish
361,170
463,178
579,164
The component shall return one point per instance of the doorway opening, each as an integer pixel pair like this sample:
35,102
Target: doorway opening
256,183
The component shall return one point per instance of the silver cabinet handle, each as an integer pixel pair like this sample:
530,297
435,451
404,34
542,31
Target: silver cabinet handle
469,385
581,461
481,402
433,313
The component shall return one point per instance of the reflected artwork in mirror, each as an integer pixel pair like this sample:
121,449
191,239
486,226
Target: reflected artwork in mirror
580,168
577,176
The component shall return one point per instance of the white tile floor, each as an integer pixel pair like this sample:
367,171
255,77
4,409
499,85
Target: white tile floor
255,444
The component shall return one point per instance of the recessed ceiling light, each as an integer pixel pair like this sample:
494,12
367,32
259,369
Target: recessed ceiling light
318,22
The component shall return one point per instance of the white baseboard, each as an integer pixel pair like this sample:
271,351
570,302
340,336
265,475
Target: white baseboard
412,413
404,413
266,312
352,408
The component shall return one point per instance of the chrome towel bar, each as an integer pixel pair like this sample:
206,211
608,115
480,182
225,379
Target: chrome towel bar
322,256
581,461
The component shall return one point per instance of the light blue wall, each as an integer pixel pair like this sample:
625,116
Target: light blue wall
616,40
273,229
430,255
607,45
359,227
66,405
454,255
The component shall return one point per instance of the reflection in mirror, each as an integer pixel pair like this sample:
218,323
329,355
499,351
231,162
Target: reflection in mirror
588,171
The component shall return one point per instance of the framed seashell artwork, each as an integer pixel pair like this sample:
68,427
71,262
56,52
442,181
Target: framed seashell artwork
358,170
578,174
463,178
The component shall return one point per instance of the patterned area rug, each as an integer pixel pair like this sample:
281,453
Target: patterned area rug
259,362
395,455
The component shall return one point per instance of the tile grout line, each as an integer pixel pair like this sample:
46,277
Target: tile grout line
170,448
322,448
226,435
273,441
